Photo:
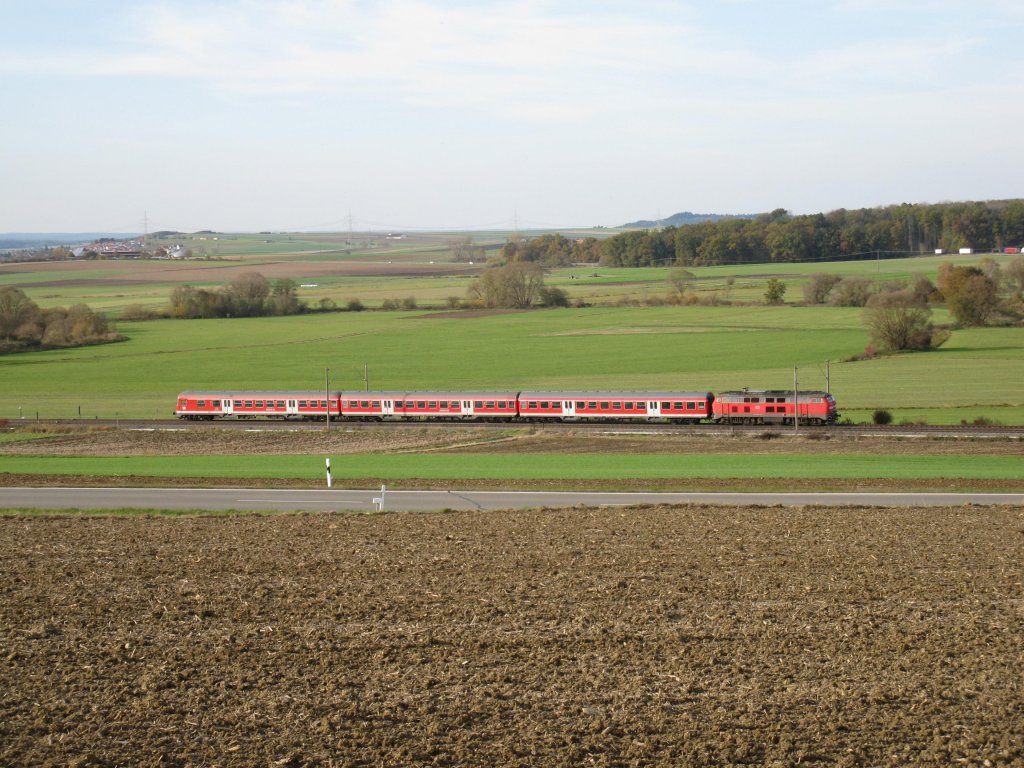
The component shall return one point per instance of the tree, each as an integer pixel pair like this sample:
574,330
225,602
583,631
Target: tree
851,292
969,294
895,322
283,298
515,285
775,291
465,249
1014,275
681,279
817,287
16,309
246,295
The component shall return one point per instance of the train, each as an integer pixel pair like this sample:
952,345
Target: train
746,406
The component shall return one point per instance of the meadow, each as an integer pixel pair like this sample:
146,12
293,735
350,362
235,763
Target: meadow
549,467
618,341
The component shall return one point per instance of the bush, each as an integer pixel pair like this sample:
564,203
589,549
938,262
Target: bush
136,312
389,304
851,292
551,296
354,305
409,302
881,417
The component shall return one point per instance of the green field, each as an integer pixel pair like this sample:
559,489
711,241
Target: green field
538,466
716,348
977,374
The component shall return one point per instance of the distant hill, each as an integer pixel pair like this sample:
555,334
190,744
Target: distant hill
13,240
685,217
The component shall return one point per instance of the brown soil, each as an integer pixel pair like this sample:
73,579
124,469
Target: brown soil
639,637
122,442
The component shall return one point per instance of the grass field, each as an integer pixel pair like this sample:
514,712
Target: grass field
975,375
538,466
716,348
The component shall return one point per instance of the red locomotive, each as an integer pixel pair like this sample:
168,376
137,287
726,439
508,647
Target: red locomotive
742,407
774,406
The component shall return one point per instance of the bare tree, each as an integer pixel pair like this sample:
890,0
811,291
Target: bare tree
895,321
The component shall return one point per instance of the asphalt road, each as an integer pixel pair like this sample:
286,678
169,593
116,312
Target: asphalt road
363,500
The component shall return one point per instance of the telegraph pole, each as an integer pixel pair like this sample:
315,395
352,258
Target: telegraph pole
327,378
366,376
796,402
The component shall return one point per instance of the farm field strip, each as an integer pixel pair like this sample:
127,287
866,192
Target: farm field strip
535,466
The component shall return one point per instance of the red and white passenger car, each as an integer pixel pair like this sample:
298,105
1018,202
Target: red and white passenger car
618,406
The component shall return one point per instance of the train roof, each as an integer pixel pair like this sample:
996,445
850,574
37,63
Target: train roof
431,393
771,392
623,395
265,394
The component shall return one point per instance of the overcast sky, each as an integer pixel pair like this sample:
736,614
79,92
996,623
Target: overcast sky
403,114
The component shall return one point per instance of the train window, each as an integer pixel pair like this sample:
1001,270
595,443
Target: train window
677,406
478,403
323,403
201,404
443,404
532,404
628,406
604,405
502,405
432,404
364,404
691,406
581,406
302,403
544,404
490,404
746,409
592,405
376,404
280,403
769,409
617,406
421,404
641,406
259,403
248,403
666,406
215,403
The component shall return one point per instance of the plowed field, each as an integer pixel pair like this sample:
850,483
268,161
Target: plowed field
641,636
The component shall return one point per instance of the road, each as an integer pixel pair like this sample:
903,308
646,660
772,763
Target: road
363,500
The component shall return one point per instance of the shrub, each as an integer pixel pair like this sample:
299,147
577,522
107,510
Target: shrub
354,305
881,417
136,312
409,302
389,304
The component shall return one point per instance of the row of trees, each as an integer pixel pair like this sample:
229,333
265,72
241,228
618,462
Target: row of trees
24,326
248,295
780,237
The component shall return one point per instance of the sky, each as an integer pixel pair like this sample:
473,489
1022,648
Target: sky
251,115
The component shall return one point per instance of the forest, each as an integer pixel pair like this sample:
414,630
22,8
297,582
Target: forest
897,230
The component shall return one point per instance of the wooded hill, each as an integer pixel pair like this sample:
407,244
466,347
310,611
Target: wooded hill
868,232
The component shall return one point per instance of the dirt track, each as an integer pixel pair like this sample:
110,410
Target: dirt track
652,636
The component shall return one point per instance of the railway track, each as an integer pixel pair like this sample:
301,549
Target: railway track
890,430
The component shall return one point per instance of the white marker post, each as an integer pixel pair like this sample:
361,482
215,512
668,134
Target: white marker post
379,503
328,473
